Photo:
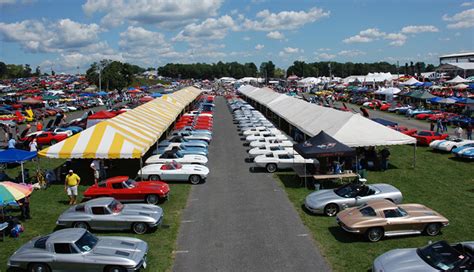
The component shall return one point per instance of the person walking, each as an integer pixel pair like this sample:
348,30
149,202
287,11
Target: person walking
70,186
33,145
445,125
11,142
458,132
469,131
439,126
39,125
432,125
95,165
384,154
24,204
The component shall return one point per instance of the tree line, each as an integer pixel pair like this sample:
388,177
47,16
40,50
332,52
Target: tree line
17,71
113,74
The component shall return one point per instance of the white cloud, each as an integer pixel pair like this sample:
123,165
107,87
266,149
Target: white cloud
11,2
275,35
324,49
357,39
397,39
291,50
246,38
267,21
365,36
351,53
42,36
419,29
209,29
326,56
259,47
464,19
467,4
165,13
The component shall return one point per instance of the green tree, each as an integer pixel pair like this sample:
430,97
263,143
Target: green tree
3,69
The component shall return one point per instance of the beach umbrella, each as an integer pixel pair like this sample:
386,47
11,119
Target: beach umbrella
11,192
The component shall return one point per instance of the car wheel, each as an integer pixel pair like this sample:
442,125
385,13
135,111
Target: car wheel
139,228
271,168
331,209
374,234
433,229
115,269
53,142
154,177
453,148
81,225
195,179
39,267
152,199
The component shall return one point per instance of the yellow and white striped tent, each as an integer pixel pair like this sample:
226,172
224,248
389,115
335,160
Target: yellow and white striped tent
128,135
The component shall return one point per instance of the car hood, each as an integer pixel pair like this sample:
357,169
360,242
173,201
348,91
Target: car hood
321,197
133,249
401,260
149,210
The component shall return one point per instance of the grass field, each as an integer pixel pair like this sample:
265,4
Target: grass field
439,182
47,205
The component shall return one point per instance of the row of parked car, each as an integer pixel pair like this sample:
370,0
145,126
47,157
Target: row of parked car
372,210
79,250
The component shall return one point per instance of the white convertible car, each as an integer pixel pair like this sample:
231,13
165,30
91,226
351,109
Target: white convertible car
171,155
260,129
280,160
449,144
265,134
174,171
271,140
267,149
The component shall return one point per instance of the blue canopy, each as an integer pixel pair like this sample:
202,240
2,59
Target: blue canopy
102,93
155,95
87,94
435,99
16,155
471,86
385,122
427,84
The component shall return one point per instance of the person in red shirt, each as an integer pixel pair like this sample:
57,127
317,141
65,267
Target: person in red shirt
39,126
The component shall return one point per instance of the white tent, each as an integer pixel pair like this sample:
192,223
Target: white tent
388,91
351,129
410,82
461,86
457,80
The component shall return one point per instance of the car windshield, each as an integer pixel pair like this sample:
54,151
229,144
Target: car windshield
179,154
130,183
115,206
87,242
424,133
347,191
367,211
441,256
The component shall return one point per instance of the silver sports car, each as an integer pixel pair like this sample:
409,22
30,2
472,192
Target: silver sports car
79,250
330,202
107,213
439,256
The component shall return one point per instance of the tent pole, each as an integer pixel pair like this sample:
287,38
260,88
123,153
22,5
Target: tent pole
414,156
22,173
141,168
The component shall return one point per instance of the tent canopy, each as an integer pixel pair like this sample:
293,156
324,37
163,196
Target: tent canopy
323,145
128,135
16,156
457,80
102,115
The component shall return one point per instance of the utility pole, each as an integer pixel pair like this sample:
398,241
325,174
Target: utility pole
398,71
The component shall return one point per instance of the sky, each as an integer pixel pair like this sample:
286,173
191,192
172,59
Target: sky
69,35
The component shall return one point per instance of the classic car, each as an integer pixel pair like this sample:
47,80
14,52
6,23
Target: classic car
414,112
256,130
331,201
277,135
60,130
184,142
379,218
271,140
439,256
107,213
174,171
282,159
423,116
174,155
267,149
466,151
45,137
449,144
125,189
78,250
425,137
185,150
199,131
188,135
194,126
405,130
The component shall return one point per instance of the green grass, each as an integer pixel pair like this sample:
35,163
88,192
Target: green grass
439,182
47,205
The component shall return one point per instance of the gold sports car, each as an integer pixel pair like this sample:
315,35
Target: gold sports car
380,218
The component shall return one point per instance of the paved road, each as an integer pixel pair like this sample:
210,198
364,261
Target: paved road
241,221
402,120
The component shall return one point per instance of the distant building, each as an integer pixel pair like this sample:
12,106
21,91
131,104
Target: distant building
463,69
456,58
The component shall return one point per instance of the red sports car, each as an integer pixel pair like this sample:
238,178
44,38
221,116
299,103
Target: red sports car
45,137
385,107
425,137
125,189
405,130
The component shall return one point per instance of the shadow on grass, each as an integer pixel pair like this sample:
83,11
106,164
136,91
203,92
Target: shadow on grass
255,169
343,236
462,160
291,180
64,202
308,212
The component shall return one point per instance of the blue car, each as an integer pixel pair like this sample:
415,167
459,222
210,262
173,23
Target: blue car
184,142
74,129
465,151
185,150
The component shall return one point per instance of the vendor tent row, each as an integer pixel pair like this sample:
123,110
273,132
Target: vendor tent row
351,129
128,135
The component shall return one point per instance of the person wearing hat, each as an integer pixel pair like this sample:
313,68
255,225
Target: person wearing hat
71,185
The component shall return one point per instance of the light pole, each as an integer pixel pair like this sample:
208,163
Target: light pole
99,67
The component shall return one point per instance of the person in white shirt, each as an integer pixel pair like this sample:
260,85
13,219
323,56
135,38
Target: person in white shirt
33,146
95,165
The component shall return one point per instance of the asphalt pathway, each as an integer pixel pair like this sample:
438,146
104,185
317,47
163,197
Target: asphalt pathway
238,220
